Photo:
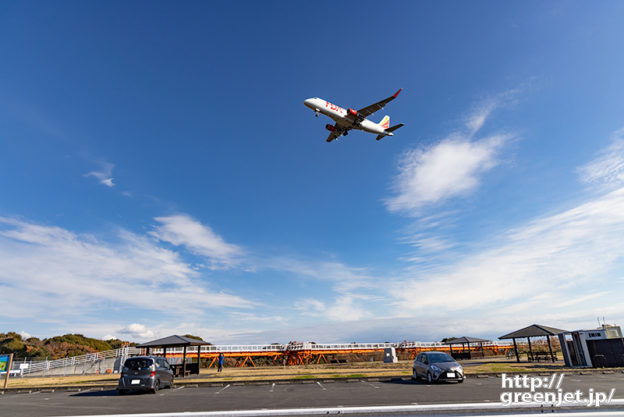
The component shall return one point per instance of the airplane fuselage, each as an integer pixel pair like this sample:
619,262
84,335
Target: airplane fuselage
343,118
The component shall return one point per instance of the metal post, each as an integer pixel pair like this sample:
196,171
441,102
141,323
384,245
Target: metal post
184,362
552,356
530,348
8,371
198,358
516,350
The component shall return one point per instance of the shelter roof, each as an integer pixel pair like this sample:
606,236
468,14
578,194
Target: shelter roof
174,340
465,339
534,330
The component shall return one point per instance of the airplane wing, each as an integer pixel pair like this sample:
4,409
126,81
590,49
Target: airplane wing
334,135
368,110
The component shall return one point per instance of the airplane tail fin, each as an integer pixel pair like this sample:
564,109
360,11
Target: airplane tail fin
385,122
390,129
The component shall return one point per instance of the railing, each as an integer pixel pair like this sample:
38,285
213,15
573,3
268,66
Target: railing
306,346
78,364
111,360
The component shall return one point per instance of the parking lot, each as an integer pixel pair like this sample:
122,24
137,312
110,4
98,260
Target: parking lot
307,394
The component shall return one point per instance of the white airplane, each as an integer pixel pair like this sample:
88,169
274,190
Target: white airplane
353,119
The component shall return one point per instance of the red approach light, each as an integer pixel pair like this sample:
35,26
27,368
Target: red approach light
352,112
329,127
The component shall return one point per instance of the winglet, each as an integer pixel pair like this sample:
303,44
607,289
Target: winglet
397,93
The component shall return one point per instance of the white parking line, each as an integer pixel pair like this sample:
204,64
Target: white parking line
372,385
272,387
179,388
321,385
223,389
518,410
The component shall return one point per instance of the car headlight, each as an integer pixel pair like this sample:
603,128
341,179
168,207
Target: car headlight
460,369
436,369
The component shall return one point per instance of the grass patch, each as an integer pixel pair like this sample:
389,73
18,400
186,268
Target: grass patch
356,376
305,377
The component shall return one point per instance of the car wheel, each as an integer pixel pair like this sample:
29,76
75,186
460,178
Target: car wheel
429,378
122,391
414,375
156,386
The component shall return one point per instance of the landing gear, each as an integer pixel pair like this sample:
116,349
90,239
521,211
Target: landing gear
316,112
346,132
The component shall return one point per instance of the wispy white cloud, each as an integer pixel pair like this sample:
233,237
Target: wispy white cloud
137,331
477,118
183,230
608,167
49,272
344,278
429,176
343,308
552,254
104,175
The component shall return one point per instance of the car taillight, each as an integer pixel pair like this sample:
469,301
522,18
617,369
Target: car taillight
152,374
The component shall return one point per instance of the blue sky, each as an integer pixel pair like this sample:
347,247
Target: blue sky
159,173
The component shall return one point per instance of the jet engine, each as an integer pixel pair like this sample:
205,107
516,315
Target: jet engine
352,112
329,127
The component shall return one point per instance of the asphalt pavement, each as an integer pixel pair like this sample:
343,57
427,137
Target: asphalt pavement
275,396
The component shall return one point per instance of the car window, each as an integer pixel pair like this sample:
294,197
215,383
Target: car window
424,360
439,357
166,364
138,364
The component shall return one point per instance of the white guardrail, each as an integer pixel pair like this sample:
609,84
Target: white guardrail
112,359
275,347
78,364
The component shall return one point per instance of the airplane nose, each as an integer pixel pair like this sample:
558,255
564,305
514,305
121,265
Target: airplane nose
308,102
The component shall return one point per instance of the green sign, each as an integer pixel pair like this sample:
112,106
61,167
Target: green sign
4,362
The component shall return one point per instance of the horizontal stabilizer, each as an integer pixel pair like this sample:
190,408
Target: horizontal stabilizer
390,130
395,127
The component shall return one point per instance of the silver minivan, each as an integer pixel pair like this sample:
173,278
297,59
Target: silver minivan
145,373
437,366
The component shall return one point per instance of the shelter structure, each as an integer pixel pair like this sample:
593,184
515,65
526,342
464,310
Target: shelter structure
534,330
465,342
176,341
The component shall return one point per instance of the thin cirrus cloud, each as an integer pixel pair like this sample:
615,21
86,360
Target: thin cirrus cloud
104,175
451,168
429,176
200,239
137,331
567,255
344,308
47,271
608,167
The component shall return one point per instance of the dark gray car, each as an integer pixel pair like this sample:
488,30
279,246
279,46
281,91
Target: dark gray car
437,366
145,373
